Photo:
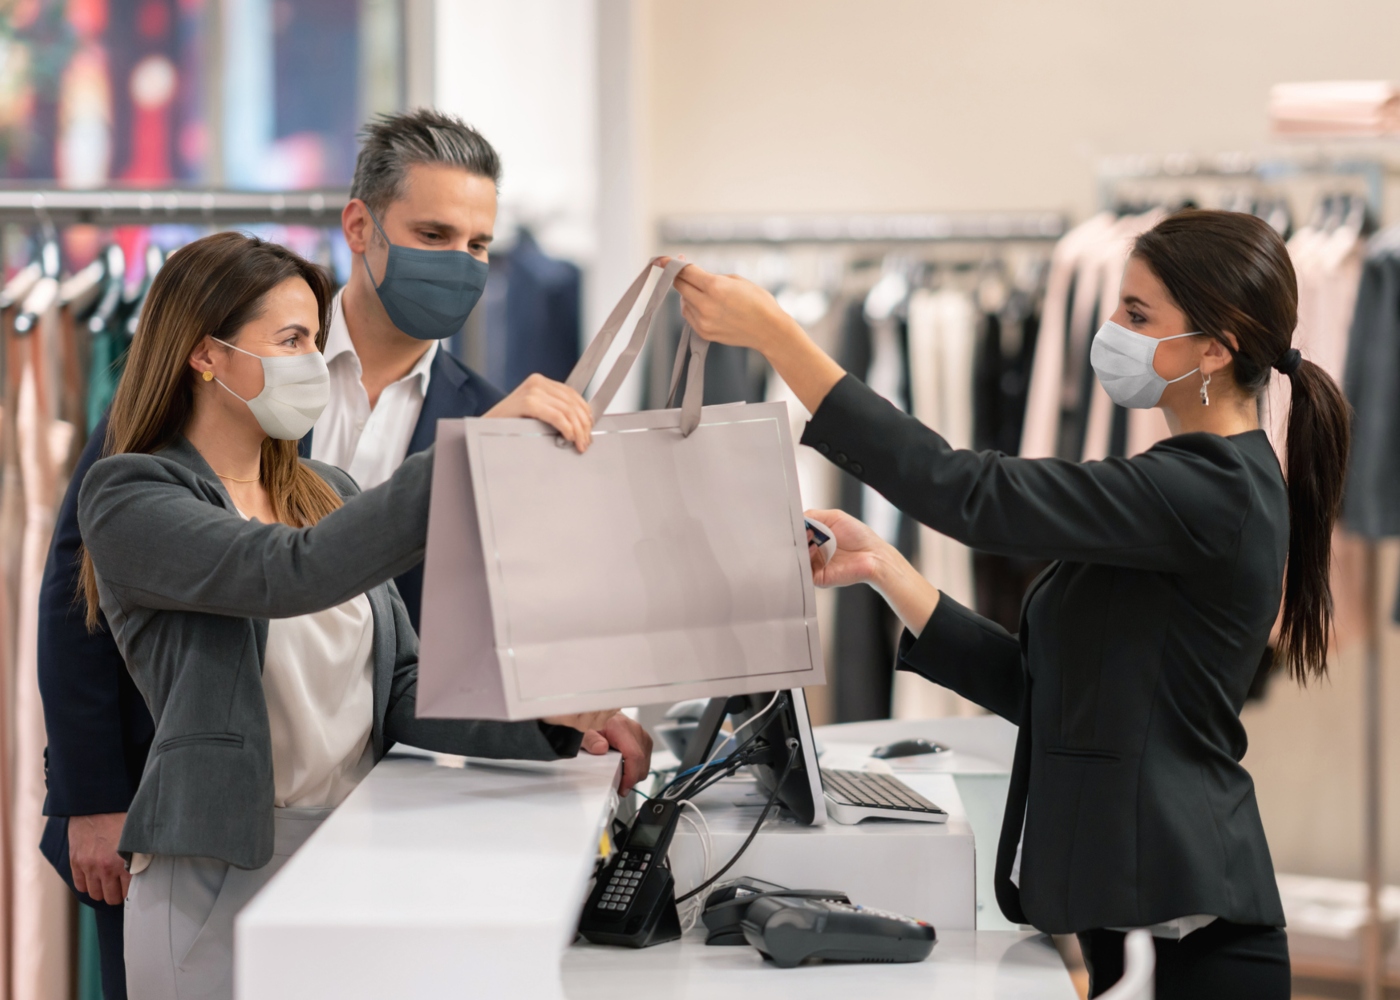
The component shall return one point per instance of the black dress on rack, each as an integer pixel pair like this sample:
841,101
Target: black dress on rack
866,629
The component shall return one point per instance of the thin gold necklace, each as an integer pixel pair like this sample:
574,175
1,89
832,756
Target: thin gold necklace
232,480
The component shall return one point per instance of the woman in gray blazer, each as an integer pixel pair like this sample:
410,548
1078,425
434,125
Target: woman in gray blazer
1128,806
251,595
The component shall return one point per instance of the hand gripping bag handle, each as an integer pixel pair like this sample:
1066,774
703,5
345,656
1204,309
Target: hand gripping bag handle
592,358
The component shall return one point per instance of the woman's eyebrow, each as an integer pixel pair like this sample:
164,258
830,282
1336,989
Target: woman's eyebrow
294,326
1133,300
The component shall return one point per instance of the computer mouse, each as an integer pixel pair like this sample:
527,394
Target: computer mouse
907,748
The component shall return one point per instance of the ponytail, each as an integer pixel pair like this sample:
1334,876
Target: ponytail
1231,275
1318,444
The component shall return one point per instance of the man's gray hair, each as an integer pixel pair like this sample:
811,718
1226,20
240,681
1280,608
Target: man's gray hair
393,143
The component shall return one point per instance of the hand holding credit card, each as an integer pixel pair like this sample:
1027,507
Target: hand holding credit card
823,538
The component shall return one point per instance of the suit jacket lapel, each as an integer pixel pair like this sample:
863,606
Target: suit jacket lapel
450,394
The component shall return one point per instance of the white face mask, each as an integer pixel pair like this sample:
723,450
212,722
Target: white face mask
1122,360
296,388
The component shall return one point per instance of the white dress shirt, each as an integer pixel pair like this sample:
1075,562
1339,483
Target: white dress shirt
367,443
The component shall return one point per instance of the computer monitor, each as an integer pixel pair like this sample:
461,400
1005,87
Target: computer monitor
801,792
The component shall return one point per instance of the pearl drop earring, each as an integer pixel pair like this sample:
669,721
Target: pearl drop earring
1205,391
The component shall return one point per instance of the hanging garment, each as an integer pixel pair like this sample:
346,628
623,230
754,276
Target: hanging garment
532,306
42,904
1005,354
1328,267
865,631
942,340
1001,374
11,537
543,301
1040,438
1371,502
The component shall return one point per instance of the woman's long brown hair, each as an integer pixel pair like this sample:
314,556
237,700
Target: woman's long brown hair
209,288
1230,272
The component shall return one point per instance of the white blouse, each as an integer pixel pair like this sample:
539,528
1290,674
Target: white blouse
320,703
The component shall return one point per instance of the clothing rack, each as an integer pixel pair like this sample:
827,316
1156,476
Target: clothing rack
188,206
1371,171
925,227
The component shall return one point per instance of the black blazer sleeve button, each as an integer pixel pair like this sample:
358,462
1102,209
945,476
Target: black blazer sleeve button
856,468
841,458
824,448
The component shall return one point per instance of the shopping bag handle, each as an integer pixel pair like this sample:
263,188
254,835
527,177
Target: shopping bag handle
696,347
592,358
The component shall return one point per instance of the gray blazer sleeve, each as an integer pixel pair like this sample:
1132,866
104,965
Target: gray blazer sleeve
158,537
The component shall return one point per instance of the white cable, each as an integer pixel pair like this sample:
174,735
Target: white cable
723,743
692,916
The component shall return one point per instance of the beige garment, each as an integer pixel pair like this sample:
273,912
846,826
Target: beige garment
1328,267
1043,399
42,905
11,536
942,343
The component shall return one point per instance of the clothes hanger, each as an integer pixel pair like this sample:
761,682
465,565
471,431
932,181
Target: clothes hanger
110,302
155,259
44,294
82,290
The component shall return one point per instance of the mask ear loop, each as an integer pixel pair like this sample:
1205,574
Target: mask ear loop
220,381
1180,336
365,257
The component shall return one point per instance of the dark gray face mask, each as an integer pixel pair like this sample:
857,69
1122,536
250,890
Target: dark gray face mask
428,293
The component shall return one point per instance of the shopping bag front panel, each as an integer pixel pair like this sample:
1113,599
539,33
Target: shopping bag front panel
653,560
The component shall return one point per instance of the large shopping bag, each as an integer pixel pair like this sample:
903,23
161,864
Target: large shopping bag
668,562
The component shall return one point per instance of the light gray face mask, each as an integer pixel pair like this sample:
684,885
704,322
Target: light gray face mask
1122,360
296,388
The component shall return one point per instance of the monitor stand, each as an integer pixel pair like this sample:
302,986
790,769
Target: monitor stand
711,722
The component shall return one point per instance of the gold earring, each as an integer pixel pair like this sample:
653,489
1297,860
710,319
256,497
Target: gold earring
208,376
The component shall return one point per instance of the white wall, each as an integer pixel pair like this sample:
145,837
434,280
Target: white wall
524,73
809,105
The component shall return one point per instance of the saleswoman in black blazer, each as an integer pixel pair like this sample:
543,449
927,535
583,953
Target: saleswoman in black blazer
1128,806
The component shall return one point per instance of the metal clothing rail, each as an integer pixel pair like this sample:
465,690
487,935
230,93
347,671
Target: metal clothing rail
1373,171
928,227
177,205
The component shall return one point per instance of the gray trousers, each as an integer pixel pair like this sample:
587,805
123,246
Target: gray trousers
180,912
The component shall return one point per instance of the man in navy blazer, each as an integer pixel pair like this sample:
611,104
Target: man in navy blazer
431,183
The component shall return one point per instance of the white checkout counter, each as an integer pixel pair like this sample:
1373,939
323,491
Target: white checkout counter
435,881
